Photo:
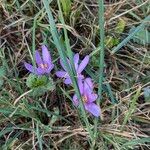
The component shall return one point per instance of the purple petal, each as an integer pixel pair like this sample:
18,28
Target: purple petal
92,97
93,109
62,64
61,74
46,55
49,68
88,85
83,64
76,60
68,81
80,77
80,84
38,58
40,71
30,68
75,100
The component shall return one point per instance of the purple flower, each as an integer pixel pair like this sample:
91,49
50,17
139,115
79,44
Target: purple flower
44,64
88,97
78,67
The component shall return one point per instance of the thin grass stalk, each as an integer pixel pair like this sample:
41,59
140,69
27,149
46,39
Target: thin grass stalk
71,70
102,36
39,136
33,41
131,108
74,79
101,61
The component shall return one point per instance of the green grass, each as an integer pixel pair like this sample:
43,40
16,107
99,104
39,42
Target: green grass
119,68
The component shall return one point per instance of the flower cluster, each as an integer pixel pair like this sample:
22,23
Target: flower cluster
45,65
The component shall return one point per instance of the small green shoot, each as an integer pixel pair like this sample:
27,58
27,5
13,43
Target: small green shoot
39,84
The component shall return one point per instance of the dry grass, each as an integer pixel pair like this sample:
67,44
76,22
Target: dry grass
25,121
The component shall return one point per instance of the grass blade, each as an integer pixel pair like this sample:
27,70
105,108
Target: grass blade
63,56
73,78
132,107
39,136
136,142
101,61
102,37
127,39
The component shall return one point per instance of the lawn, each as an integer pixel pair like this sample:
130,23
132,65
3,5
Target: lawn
74,74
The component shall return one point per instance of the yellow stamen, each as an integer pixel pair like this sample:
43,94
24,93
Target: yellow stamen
84,98
43,66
